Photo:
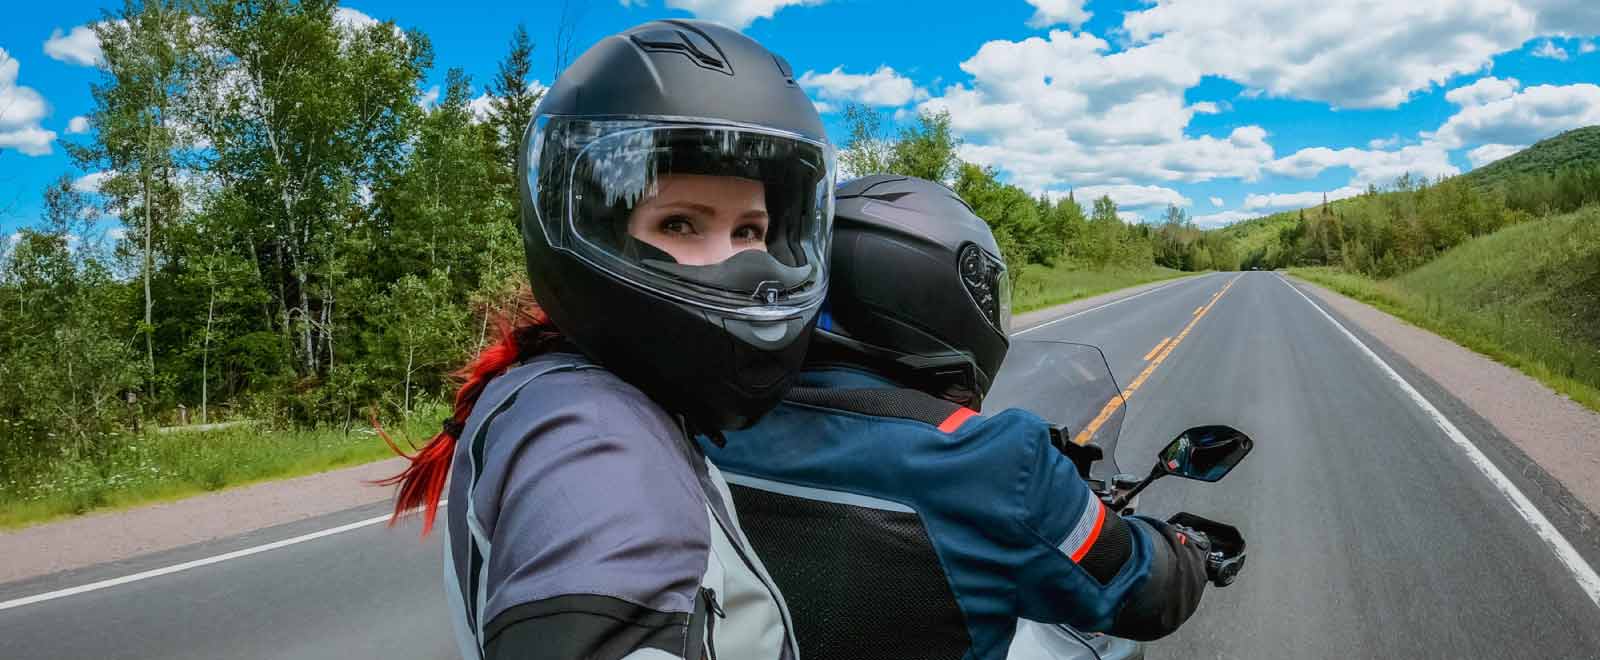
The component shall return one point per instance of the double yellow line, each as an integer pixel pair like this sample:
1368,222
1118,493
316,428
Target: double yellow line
1155,357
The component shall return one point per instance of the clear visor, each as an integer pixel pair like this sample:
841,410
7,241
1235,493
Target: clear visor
989,285
727,217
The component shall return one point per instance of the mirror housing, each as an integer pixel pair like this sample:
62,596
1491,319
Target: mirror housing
1204,453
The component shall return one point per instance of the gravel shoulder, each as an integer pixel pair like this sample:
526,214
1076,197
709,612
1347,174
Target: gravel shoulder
115,535
1559,435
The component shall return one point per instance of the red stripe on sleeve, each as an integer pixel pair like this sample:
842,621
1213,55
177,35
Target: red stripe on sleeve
1094,534
956,419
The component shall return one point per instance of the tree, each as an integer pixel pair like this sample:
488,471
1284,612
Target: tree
927,149
149,58
513,99
866,149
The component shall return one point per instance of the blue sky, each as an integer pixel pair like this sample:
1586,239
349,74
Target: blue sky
1229,109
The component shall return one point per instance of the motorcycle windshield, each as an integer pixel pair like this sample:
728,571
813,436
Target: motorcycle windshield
1069,385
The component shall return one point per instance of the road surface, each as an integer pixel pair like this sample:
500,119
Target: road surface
1371,533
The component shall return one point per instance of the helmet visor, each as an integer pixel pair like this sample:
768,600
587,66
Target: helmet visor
729,217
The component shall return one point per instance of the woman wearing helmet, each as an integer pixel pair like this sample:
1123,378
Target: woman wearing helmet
677,192
902,524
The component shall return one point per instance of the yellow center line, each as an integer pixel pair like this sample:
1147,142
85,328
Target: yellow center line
1161,355
1157,349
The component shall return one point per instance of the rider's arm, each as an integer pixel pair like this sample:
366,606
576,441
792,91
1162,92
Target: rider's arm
591,531
1133,577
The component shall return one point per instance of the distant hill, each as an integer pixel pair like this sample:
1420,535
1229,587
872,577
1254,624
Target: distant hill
1577,147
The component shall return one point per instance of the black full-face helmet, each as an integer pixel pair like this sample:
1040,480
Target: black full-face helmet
638,113
919,290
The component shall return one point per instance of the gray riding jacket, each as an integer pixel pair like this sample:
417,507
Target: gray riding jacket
584,523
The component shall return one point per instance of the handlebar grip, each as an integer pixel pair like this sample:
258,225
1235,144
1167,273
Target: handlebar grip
1227,549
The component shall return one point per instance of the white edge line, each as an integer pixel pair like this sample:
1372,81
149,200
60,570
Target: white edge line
175,568
1585,575
1100,307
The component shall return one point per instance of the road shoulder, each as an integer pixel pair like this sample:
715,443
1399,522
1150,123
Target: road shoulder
116,535
1559,436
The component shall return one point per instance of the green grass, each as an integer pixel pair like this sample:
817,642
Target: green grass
1527,296
1041,287
149,468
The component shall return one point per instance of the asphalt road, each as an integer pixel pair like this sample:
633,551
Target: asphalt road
1371,534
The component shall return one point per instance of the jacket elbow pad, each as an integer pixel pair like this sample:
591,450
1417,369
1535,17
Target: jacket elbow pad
1171,592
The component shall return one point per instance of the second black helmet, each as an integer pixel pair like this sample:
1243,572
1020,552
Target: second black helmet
919,290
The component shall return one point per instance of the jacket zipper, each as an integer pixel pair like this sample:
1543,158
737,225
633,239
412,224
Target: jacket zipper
714,612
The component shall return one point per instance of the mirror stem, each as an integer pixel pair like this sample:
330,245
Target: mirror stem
1122,500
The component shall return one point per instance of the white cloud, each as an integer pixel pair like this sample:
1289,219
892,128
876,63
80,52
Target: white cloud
1205,108
1223,219
883,87
117,233
1566,17
823,107
1549,50
1586,47
632,3
1483,91
91,182
81,46
1356,53
1133,196
1528,116
1047,13
1490,153
429,98
1383,143
1217,202
1299,200
21,109
352,19
78,124
1428,160
481,107
1130,217
737,14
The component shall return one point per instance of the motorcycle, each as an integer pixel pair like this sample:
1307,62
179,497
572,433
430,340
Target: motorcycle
1071,386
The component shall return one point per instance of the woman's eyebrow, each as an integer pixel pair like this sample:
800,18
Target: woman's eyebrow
754,213
692,206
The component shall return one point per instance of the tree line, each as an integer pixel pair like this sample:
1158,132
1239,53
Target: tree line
1388,231
303,235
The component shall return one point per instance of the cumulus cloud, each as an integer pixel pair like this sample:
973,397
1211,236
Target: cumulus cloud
429,98
1528,116
1129,196
1370,166
1586,47
1549,50
1217,202
1223,219
78,124
1357,53
883,87
1049,13
737,14
21,109
1299,200
91,182
1490,153
1483,91
353,19
1566,17
80,46
481,107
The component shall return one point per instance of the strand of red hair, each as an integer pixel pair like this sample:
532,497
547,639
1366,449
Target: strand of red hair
522,332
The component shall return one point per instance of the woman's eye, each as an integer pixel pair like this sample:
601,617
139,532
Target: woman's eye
677,225
750,233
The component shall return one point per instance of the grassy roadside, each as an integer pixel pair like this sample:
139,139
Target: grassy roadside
152,468
1040,287
1508,332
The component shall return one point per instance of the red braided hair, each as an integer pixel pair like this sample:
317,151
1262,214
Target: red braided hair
523,332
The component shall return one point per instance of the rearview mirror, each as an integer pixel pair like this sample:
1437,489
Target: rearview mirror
1206,453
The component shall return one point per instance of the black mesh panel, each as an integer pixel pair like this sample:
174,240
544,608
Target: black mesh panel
914,405
1109,552
861,583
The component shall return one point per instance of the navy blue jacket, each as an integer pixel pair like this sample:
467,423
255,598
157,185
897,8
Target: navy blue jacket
1013,529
